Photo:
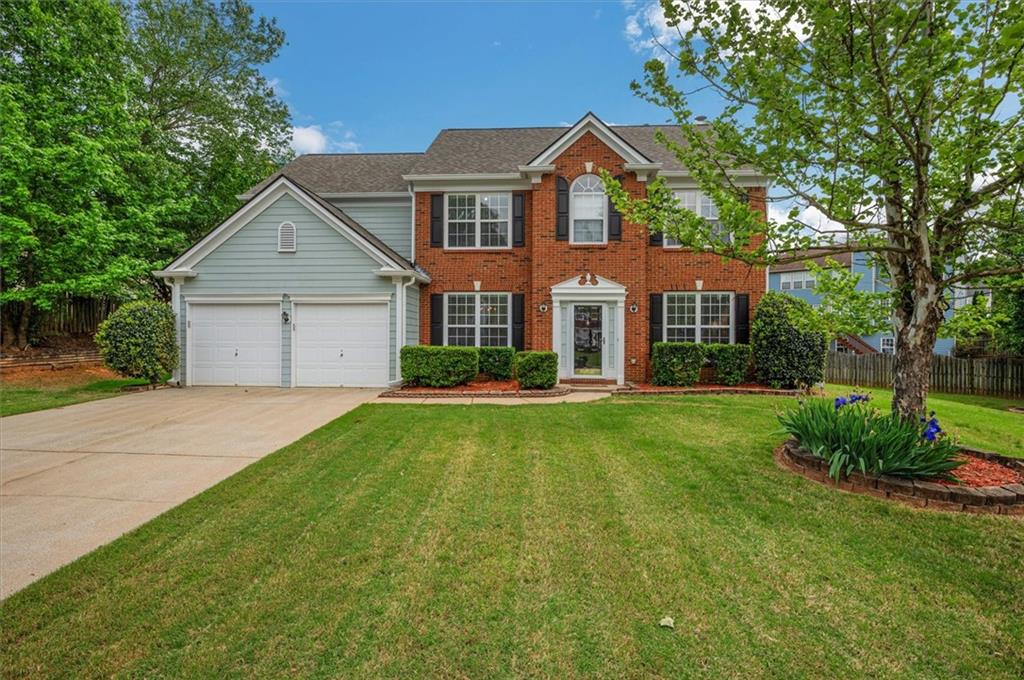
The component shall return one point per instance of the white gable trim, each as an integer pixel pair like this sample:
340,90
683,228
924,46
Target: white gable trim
593,124
588,286
262,200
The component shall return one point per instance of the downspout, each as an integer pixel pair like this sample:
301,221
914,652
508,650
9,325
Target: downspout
412,225
400,331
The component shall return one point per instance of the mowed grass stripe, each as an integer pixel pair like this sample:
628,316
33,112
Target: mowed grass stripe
534,541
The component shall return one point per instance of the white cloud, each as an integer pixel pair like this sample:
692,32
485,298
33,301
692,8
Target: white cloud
314,139
647,30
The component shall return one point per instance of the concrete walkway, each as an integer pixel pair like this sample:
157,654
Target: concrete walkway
74,478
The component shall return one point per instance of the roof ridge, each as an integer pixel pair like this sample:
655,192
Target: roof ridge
363,153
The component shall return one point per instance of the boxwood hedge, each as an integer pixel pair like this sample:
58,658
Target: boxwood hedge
497,362
139,341
537,370
439,366
730,361
677,363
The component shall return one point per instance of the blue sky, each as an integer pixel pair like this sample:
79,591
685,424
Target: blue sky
386,76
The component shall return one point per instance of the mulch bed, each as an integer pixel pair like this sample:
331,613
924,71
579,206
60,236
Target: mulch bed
481,387
978,472
746,388
982,488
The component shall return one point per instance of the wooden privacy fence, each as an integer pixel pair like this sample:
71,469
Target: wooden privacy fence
75,315
998,377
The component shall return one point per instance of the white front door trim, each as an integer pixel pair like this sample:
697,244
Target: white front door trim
591,289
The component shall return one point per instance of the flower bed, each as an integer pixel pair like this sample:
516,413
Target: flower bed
480,387
749,388
960,495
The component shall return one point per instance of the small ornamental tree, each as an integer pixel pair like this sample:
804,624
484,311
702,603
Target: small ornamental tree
786,352
897,122
138,340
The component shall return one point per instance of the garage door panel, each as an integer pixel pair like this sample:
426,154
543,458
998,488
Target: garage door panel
341,344
235,344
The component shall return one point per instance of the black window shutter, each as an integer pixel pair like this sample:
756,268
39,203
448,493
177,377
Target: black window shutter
742,319
437,221
519,219
657,238
614,219
437,319
657,330
518,320
562,209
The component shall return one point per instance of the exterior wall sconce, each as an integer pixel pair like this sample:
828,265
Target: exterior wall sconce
285,318
543,308
634,308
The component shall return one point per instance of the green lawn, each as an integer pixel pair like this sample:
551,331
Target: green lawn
414,541
24,397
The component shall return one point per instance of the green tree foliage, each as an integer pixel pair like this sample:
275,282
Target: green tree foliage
138,340
897,120
210,109
83,208
845,309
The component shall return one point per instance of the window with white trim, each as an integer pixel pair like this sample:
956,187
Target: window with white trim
588,211
478,220
698,317
478,319
840,348
697,202
801,280
286,238
887,344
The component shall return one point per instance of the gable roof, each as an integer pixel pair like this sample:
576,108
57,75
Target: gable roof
274,187
504,150
821,254
348,173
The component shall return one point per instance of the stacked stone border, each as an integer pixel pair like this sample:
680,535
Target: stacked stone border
442,393
993,500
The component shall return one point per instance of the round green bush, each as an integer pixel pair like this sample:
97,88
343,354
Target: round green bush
139,341
536,370
786,355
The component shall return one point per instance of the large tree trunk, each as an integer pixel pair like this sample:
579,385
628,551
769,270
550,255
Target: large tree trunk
917,325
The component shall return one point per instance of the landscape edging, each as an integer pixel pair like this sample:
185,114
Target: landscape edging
994,500
441,394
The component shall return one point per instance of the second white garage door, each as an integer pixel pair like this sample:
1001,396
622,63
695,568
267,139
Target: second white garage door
341,344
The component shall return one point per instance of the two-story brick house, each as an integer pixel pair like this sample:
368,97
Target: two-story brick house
490,237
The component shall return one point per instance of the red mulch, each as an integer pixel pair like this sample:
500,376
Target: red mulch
478,385
710,387
978,472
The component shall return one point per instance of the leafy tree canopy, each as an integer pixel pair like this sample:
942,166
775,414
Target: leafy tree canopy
897,120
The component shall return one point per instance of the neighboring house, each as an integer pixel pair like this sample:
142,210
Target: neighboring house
796,280
490,237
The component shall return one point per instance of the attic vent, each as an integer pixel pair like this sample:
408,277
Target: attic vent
286,238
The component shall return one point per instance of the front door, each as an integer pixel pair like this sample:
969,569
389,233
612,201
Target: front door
588,340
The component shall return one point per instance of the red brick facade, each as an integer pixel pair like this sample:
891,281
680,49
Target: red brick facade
544,261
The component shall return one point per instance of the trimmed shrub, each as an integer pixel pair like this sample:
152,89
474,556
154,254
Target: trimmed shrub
139,341
785,355
677,363
497,362
537,370
439,366
853,437
730,361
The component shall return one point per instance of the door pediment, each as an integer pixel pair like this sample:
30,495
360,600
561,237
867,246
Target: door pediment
588,286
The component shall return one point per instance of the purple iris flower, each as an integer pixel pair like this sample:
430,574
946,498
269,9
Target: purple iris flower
840,402
931,428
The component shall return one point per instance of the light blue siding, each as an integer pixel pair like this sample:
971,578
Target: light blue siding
412,315
325,263
861,265
389,220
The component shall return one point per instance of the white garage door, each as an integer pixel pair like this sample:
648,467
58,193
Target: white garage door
341,344
235,344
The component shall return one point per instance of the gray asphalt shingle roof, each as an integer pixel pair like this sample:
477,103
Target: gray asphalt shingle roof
500,150
347,173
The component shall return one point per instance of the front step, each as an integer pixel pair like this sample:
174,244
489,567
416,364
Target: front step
603,386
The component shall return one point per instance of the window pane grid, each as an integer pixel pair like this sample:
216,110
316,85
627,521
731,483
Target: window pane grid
588,210
698,317
478,319
479,220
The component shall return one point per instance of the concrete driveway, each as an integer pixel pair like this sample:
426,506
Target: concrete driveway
74,478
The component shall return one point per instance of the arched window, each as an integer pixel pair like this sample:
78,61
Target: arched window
286,238
588,212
